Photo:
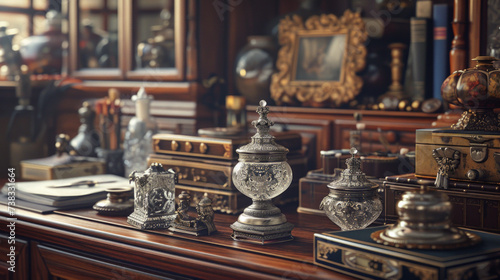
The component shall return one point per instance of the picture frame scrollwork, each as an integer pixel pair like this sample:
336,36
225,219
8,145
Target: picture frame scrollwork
318,60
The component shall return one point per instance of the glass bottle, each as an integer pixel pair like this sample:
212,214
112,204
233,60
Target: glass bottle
138,143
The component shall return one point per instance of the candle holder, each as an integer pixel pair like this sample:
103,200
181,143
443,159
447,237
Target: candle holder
262,173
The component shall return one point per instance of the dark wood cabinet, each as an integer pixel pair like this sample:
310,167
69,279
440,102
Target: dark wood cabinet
16,268
50,262
80,244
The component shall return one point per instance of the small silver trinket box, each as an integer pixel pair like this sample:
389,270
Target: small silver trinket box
154,198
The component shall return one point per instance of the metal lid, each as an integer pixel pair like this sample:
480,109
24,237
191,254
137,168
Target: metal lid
262,148
352,178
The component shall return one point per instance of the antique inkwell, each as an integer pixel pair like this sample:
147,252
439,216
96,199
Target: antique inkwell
154,198
353,201
119,202
262,173
425,223
184,223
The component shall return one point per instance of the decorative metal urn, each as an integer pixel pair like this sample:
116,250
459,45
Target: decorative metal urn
262,173
476,90
353,201
425,223
154,198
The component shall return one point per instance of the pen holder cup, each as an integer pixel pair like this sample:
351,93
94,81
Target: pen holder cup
114,161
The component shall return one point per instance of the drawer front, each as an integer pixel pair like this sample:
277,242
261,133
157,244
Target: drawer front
14,262
56,263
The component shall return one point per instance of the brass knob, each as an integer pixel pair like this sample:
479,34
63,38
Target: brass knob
203,148
174,145
188,146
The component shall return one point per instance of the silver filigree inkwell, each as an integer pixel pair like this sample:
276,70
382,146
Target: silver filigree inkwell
154,198
353,201
262,173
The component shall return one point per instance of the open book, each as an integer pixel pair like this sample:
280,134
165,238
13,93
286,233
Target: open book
80,191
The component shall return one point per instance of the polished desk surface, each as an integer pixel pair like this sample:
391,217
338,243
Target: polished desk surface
293,259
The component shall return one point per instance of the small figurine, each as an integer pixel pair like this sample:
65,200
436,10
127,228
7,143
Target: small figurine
202,225
206,213
63,145
87,138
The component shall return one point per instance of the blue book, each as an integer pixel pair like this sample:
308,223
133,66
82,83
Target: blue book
441,57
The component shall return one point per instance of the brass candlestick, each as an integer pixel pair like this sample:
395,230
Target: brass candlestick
391,99
396,88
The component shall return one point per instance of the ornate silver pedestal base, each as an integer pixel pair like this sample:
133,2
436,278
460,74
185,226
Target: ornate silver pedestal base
143,221
262,223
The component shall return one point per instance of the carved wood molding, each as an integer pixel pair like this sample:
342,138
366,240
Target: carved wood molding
288,88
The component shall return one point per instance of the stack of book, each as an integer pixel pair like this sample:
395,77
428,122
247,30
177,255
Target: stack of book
66,193
205,165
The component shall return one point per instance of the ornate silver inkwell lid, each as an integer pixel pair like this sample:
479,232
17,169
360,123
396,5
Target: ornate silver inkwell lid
262,147
424,223
352,178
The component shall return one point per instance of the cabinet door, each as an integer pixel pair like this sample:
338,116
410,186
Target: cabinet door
54,263
14,264
95,35
155,39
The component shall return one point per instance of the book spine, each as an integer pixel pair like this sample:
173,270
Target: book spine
440,49
419,46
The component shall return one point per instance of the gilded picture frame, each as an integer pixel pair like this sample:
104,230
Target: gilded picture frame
318,60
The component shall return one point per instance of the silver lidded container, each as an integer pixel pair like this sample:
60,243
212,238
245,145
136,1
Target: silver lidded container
425,223
353,201
154,198
262,173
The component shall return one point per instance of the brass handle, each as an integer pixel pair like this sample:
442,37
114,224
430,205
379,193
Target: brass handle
174,145
203,148
188,146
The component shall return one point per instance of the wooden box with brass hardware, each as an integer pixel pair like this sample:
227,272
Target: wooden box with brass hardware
215,148
472,156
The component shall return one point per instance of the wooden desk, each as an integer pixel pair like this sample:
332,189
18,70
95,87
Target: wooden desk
80,244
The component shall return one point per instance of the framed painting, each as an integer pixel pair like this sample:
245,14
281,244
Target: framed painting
318,60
